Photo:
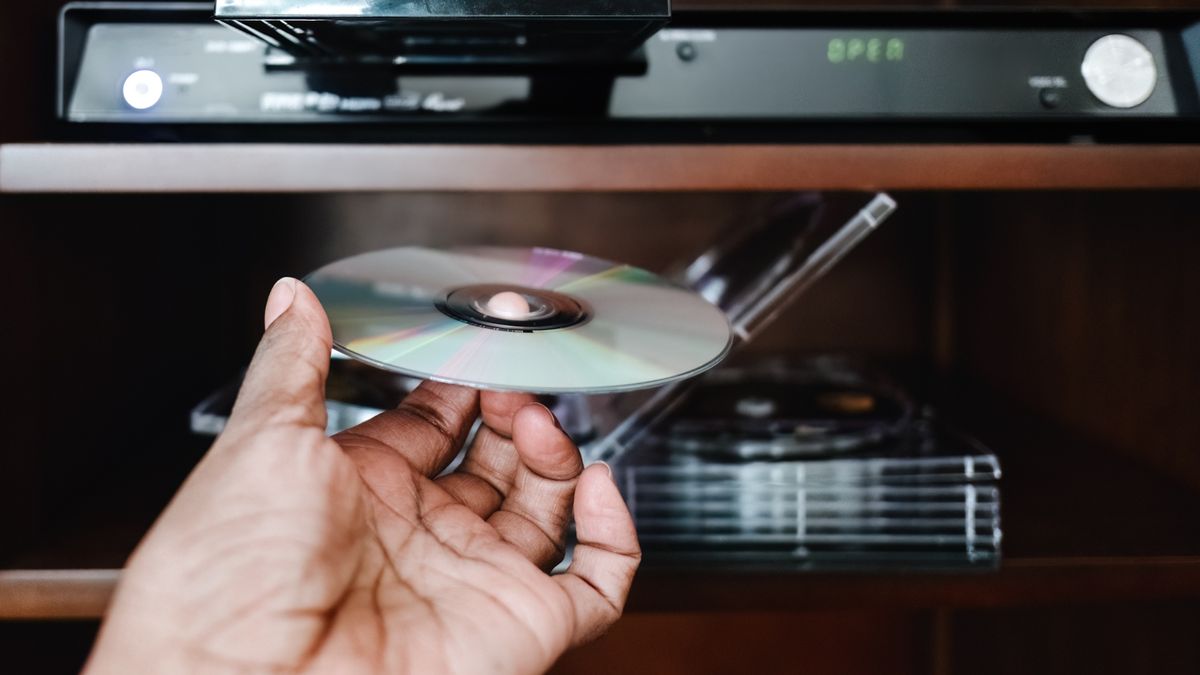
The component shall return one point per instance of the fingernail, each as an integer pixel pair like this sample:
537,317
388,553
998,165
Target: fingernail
281,298
607,468
553,417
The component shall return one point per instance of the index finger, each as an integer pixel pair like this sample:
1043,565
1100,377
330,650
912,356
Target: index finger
427,428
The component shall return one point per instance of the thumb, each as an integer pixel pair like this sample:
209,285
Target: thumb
285,384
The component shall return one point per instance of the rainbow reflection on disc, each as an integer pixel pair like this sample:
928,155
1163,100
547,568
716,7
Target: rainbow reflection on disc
522,319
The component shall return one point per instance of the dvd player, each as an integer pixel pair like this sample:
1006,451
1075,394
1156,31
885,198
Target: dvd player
171,70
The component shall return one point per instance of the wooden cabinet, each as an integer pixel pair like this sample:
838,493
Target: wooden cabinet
1043,296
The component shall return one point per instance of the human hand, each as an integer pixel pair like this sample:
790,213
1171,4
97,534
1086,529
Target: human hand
288,550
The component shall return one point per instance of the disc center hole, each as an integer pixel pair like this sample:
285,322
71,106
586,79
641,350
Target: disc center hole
512,306
507,307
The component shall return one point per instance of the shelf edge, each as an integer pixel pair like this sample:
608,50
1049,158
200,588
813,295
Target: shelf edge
56,594
176,168
85,594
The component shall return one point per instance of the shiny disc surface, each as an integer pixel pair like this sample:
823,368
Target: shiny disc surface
580,324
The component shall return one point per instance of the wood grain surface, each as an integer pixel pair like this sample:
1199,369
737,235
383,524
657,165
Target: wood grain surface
366,168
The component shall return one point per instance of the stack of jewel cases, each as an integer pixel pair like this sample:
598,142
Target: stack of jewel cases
806,466
811,466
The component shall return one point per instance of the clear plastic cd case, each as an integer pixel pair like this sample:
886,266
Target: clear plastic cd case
923,498
815,465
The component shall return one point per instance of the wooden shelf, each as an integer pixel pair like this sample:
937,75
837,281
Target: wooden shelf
1022,582
141,168
55,594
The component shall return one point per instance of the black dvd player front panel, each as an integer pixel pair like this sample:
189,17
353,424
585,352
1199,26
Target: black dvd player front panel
191,70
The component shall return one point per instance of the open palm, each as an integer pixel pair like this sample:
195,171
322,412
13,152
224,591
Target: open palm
287,550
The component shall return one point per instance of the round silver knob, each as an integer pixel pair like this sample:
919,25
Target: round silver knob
1120,71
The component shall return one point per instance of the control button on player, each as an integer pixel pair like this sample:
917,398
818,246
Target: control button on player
1120,71
143,89
1050,98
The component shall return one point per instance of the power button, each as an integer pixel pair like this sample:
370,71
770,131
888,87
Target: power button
143,89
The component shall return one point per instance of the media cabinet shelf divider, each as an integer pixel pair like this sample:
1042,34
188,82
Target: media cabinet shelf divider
259,168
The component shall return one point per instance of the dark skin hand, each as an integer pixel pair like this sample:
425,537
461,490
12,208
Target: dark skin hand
289,551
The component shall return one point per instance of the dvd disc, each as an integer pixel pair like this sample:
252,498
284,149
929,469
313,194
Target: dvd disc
534,320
